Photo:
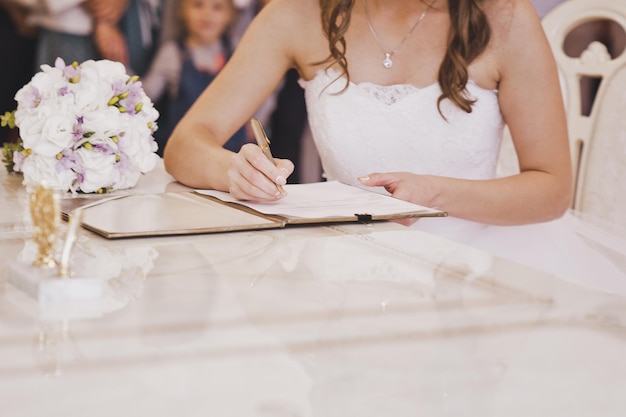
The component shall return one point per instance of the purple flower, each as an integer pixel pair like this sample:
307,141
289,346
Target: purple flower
133,96
104,148
31,97
78,131
18,161
68,161
70,72
124,163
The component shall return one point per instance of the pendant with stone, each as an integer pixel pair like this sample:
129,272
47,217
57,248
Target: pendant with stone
387,62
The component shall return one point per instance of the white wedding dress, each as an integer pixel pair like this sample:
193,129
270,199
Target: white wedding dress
370,128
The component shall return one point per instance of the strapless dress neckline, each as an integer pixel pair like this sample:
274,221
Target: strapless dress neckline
372,128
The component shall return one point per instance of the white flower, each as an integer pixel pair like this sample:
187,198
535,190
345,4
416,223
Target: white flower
104,123
86,127
98,169
41,170
48,133
139,150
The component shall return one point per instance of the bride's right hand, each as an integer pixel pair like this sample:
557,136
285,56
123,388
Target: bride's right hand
253,177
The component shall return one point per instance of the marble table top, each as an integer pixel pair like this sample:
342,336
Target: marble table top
344,320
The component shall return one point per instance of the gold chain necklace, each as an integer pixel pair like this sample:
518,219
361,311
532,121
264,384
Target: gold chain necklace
387,62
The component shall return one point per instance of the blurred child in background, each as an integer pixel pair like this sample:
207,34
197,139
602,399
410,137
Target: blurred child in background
184,67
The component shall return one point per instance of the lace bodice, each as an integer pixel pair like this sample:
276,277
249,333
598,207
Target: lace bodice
370,128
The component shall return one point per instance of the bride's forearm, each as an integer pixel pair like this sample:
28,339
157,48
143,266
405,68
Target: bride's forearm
197,163
529,197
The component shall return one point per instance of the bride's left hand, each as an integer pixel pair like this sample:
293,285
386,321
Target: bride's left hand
417,189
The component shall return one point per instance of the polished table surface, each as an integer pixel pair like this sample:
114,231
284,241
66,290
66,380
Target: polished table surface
345,320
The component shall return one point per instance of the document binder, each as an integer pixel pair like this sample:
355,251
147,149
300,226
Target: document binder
207,211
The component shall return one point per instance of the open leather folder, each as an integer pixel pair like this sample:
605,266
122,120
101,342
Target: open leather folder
208,211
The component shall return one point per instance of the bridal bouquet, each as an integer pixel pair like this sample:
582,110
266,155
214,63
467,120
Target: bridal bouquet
83,128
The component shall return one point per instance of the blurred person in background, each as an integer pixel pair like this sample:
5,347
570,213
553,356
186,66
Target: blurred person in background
66,30
18,42
126,31
141,25
185,66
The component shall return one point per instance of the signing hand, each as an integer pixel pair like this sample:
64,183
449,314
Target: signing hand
252,176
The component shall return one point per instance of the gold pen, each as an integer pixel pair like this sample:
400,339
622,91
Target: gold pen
264,143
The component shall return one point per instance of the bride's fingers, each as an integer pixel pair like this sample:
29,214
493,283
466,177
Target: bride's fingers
248,175
236,191
276,170
379,179
405,222
242,188
285,166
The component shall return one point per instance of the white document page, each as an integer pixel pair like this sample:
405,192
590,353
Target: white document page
327,199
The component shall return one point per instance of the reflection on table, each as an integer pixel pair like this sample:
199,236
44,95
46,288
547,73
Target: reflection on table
345,320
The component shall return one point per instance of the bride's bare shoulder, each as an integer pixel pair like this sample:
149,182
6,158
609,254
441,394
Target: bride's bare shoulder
515,27
294,26
289,20
509,17
296,12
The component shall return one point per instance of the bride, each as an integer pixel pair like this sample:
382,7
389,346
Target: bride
408,97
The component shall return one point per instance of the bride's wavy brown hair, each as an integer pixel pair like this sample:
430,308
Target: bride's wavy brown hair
468,37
